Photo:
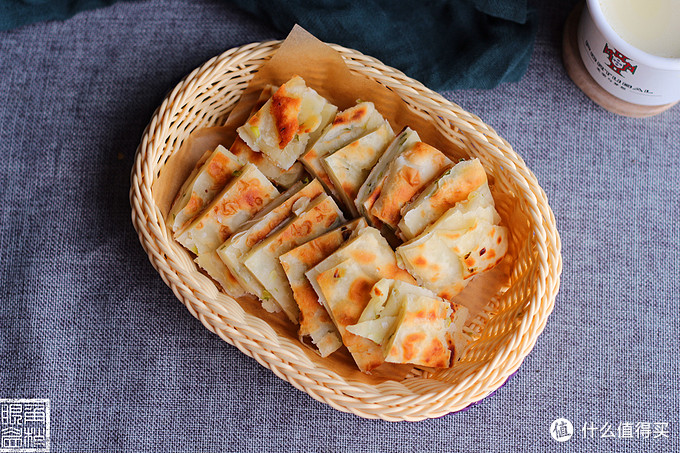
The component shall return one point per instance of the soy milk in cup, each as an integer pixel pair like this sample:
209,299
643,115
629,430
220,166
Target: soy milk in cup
631,48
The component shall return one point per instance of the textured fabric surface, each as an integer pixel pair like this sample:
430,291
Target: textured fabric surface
86,322
446,44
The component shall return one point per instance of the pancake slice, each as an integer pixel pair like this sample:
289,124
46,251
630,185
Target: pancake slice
234,249
202,186
346,288
320,216
461,244
434,266
281,129
343,282
412,169
420,333
413,325
378,319
239,201
347,126
281,178
315,323
371,188
481,247
457,184
349,166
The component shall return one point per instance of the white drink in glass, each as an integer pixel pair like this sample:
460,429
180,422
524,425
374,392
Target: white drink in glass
649,25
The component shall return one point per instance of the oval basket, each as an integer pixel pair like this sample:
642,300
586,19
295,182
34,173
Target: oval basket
516,315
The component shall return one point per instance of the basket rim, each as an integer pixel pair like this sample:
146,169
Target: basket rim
414,400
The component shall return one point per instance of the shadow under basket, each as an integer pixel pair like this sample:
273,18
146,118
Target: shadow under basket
518,297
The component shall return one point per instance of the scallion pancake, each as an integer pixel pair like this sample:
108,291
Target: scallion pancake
234,249
282,127
315,322
262,261
202,186
239,201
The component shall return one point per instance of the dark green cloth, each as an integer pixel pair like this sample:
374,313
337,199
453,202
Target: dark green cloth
15,13
446,44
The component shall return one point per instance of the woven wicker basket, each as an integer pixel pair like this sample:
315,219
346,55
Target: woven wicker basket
516,315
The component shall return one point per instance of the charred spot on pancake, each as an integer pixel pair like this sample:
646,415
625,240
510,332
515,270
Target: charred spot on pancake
359,290
285,112
350,116
346,233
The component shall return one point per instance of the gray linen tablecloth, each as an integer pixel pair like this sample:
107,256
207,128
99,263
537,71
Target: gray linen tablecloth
86,322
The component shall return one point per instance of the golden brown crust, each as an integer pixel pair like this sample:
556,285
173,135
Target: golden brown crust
241,149
314,319
285,110
441,200
351,115
420,336
323,213
367,354
218,169
407,176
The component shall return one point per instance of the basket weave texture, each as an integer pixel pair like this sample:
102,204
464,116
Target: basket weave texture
516,316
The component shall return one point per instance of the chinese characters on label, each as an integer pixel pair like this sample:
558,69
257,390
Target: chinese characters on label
24,425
